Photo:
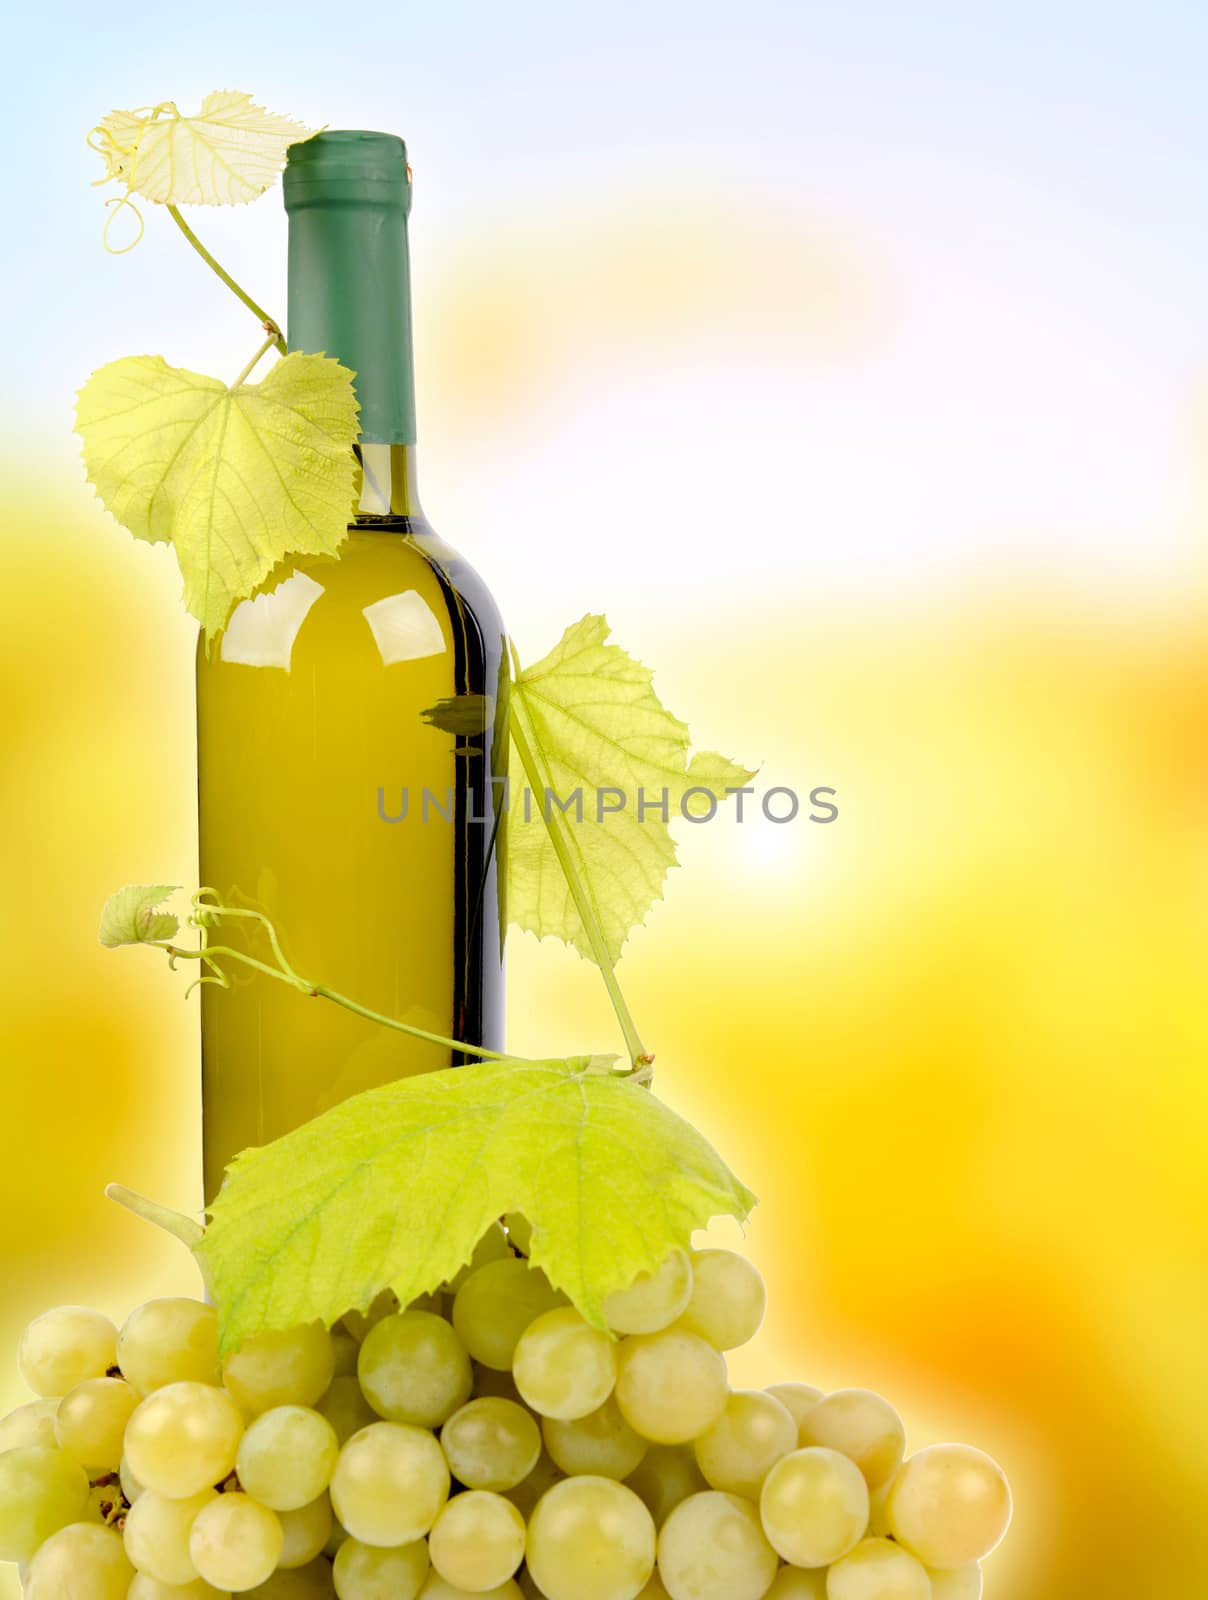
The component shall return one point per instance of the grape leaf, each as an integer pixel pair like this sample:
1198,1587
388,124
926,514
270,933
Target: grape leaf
595,726
132,915
229,153
394,1188
235,477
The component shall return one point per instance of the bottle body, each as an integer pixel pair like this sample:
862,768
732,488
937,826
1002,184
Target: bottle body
338,800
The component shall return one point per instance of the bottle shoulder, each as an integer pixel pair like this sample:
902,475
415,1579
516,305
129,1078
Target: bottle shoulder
457,572
390,581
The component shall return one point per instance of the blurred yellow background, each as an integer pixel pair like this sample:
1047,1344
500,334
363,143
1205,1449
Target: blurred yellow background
856,371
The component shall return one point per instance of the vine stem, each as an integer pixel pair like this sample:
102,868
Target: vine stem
270,323
639,1058
264,349
320,991
207,899
189,1233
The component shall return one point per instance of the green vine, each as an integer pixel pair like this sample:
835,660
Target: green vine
208,913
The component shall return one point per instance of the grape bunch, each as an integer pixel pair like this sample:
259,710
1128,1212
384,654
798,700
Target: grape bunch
486,1441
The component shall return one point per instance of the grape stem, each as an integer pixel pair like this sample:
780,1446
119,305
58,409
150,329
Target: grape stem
263,350
208,912
270,324
562,841
189,1233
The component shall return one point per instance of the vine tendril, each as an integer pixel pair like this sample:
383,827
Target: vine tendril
120,200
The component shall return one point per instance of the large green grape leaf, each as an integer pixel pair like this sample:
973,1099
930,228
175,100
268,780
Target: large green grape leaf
227,154
594,727
236,478
394,1188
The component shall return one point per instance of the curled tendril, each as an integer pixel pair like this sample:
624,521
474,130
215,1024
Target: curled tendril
115,155
203,916
218,976
120,200
207,908
120,159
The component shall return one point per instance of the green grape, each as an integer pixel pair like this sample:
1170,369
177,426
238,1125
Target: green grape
363,1572
91,1421
235,1542
41,1491
30,1424
345,1407
798,1583
491,1444
527,1492
286,1458
489,1384
520,1232
390,1483
728,1299
654,1299
798,1399
878,1570
477,1542
590,1539
183,1438
957,1583
950,1505
752,1434
157,1535
358,1323
289,1368
345,1352
80,1562
602,1443
862,1426
712,1545
668,1474
64,1347
145,1588
312,1582
437,1589
130,1485
671,1386
564,1367
495,1305
413,1368
169,1341
493,1246
814,1505
305,1532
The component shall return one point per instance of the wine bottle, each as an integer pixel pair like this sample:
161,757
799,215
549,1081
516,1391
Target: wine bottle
350,773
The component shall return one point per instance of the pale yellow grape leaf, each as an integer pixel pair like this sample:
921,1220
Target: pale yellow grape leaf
132,915
594,724
236,478
395,1187
230,152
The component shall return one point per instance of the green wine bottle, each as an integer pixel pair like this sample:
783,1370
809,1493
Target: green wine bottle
350,776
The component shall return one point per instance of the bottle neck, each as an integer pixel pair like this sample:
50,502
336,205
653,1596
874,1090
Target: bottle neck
386,483
350,277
